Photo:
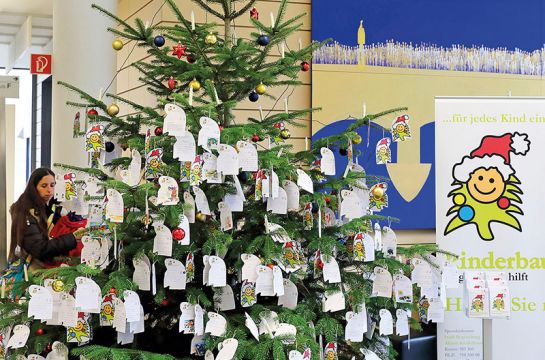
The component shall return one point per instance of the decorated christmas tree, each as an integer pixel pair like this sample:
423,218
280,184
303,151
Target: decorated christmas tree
209,235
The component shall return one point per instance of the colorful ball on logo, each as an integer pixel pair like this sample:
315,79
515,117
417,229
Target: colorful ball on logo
504,203
459,199
466,213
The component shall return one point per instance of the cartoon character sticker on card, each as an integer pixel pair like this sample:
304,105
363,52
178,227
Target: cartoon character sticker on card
185,171
247,294
77,125
107,310
190,267
383,153
70,186
378,199
358,248
195,176
330,351
154,164
81,333
94,139
400,128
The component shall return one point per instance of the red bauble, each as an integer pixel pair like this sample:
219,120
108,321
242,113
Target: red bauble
113,291
92,112
178,50
254,14
221,127
40,331
158,131
191,58
171,83
504,203
178,234
305,66
164,302
327,200
256,138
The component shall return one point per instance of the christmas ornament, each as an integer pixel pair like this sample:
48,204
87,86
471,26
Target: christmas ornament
285,134
305,66
109,146
117,44
400,128
263,40
91,113
191,58
40,331
343,151
356,140
171,83
48,348
195,84
254,14
210,39
327,200
256,138
221,127
253,97
112,110
315,208
178,234
158,131
159,40
164,302
243,176
378,192
58,286
261,89
200,216
113,291
178,50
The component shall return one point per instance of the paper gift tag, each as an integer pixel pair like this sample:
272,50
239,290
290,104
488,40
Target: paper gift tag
278,205
378,199
209,134
210,171
142,273
218,273
162,243
190,267
251,325
330,351
185,170
292,257
41,303
400,128
125,338
235,201
382,285
120,318
228,162
247,294
270,188
59,351
92,188
422,273
327,163
19,337
68,315
269,322
132,306
154,164
114,206
91,251
278,281
436,311
184,226
356,326
70,189
351,205
94,139
247,156
82,332
378,237
249,269
175,119
403,289
199,320
88,297
228,349
389,242
224,298
386,325
500,301
184,148
289,299
402,322
292,194
201,201
189,207
328,217
264,282
451,276
198,345
34,357
107,310
216,325
175,275
206,269
333,302
287,331
60,189
168,191
187,318
331,271
383,154
369,355
226,216
135,168
360,252
304,181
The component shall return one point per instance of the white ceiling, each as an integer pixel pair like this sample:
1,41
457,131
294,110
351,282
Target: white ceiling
13,14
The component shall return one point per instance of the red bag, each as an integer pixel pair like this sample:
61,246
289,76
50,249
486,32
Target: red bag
66,226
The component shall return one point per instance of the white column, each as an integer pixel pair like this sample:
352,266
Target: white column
82,56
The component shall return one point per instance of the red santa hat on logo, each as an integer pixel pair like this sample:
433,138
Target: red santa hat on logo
97,129
493,152
155,153
401,119
383,142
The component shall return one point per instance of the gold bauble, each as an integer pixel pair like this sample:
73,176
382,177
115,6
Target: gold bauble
356,140
378,192
200,216
112,110
117,44
285,134
210,39
261,89
195,84
57,286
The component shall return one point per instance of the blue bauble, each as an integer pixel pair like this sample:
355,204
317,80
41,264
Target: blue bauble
263,40
466,213
109,146
159,40
315,208
243,176
253,96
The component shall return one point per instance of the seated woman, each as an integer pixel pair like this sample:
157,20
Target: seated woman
33,216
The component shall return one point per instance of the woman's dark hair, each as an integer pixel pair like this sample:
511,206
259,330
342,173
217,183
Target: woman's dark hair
20,210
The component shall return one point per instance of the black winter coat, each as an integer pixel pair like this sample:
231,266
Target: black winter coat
38,244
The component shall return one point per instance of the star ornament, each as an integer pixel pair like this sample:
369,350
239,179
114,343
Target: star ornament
179,50
254,14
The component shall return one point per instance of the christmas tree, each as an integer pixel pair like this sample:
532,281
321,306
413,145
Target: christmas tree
210,235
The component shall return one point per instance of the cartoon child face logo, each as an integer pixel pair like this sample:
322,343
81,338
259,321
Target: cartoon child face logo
154,163
94,138
249,291
400,128
486,188
107,309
